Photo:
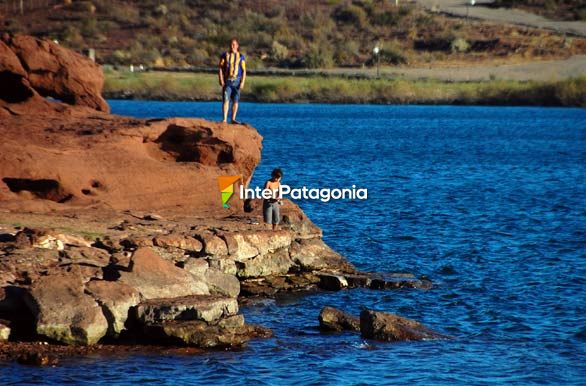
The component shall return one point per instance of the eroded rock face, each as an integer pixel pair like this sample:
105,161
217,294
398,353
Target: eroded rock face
153,277
64,312
206,308
393,328
265,265
50,70
116,299
221,283
314,254
37,175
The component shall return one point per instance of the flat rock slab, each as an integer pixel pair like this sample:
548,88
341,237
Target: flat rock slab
178,241
206,308
277,263
154,277
230,334
393,328
94,257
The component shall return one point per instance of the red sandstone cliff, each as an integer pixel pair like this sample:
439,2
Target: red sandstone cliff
55,155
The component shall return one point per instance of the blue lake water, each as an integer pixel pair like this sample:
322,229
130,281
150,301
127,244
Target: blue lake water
488,202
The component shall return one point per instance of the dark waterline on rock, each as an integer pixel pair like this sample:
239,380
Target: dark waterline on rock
489,202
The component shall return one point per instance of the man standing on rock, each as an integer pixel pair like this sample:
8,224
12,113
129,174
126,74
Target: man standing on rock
232,74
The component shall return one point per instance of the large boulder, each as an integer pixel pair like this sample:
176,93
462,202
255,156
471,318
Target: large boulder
116,300
52,70
154,277
393,328
64,312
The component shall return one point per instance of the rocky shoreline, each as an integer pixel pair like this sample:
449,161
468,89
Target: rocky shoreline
112,235
163,281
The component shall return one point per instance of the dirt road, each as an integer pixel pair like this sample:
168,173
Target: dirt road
503,15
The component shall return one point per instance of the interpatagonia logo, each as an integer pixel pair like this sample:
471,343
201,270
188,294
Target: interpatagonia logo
226,186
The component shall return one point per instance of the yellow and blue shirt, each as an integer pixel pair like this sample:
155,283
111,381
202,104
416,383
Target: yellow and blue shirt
233,65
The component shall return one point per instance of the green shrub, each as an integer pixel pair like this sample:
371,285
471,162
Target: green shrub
318,57
161,10
89,27
72,37
572,92
119,57
460,45
82,6
346,52
197,57
278,51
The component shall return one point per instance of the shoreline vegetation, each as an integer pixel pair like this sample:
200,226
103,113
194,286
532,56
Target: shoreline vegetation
183,86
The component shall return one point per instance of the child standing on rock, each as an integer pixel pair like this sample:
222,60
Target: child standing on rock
271,207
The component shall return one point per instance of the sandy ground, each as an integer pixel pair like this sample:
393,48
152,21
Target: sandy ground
503,15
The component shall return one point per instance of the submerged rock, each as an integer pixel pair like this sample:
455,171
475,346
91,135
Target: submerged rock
37,359
332,282
332,319
392,328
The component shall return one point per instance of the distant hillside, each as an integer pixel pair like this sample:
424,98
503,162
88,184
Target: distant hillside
302,33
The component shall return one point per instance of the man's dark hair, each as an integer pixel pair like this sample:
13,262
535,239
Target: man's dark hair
277,173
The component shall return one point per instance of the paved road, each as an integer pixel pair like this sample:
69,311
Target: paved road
504,15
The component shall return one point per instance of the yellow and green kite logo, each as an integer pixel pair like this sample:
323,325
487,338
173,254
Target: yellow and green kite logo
226,185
